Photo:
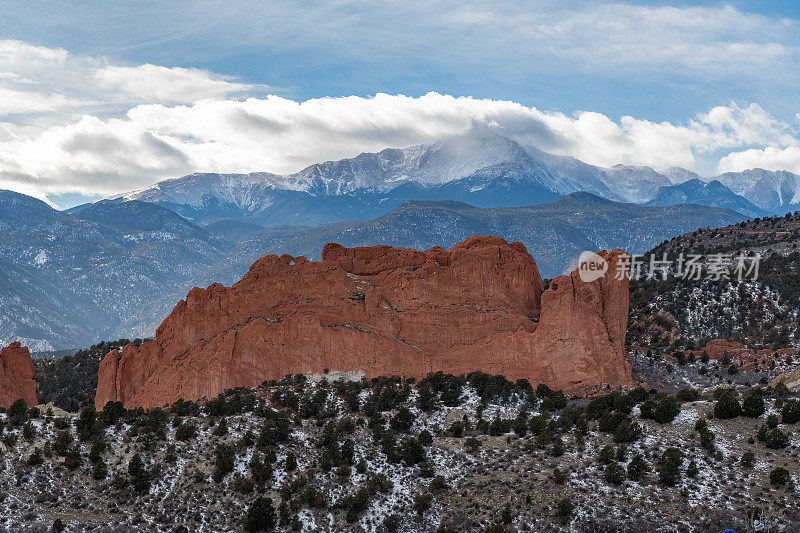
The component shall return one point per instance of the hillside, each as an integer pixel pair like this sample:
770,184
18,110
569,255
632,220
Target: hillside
761,313
444,454
68,280
710,193
70,382
554,233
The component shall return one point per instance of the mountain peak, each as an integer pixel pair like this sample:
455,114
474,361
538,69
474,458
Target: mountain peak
17,208
680,175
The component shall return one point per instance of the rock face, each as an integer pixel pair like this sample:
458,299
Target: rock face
16,376
382,310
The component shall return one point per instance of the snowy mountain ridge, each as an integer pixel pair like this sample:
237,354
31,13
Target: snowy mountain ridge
488,170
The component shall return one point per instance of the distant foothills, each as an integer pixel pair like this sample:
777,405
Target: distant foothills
115,268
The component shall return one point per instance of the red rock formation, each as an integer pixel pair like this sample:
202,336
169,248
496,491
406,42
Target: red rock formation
719,348
743,357
16,376
383,310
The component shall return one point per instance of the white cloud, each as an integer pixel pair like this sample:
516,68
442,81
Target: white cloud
705,42
708,41
14,101
277,134
84,124
152,83
19,53
769,158
44,85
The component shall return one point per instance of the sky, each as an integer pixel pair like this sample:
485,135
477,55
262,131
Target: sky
98,98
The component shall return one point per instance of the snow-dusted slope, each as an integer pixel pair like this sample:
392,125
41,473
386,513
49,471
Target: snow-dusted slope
69,279
773,191
635,184
678,175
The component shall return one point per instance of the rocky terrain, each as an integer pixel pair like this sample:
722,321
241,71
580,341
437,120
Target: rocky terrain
70,382
478,452
383,310
761,313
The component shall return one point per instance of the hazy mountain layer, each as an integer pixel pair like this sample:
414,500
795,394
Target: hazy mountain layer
68,279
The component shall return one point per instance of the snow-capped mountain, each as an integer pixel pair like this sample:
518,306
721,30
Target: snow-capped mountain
773,191
481,169
427,165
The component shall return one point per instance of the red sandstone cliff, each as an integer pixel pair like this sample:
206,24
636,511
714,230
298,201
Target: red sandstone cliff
478,306
16,376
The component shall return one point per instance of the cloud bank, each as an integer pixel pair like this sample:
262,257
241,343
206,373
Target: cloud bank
86,125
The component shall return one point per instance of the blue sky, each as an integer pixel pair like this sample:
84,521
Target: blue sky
722,77
410,50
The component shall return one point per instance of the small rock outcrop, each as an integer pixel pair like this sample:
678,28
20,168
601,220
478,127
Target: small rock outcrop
790,379
734,352
16,376
382,310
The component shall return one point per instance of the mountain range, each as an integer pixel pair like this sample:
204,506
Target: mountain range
116,267
67,279
480,169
